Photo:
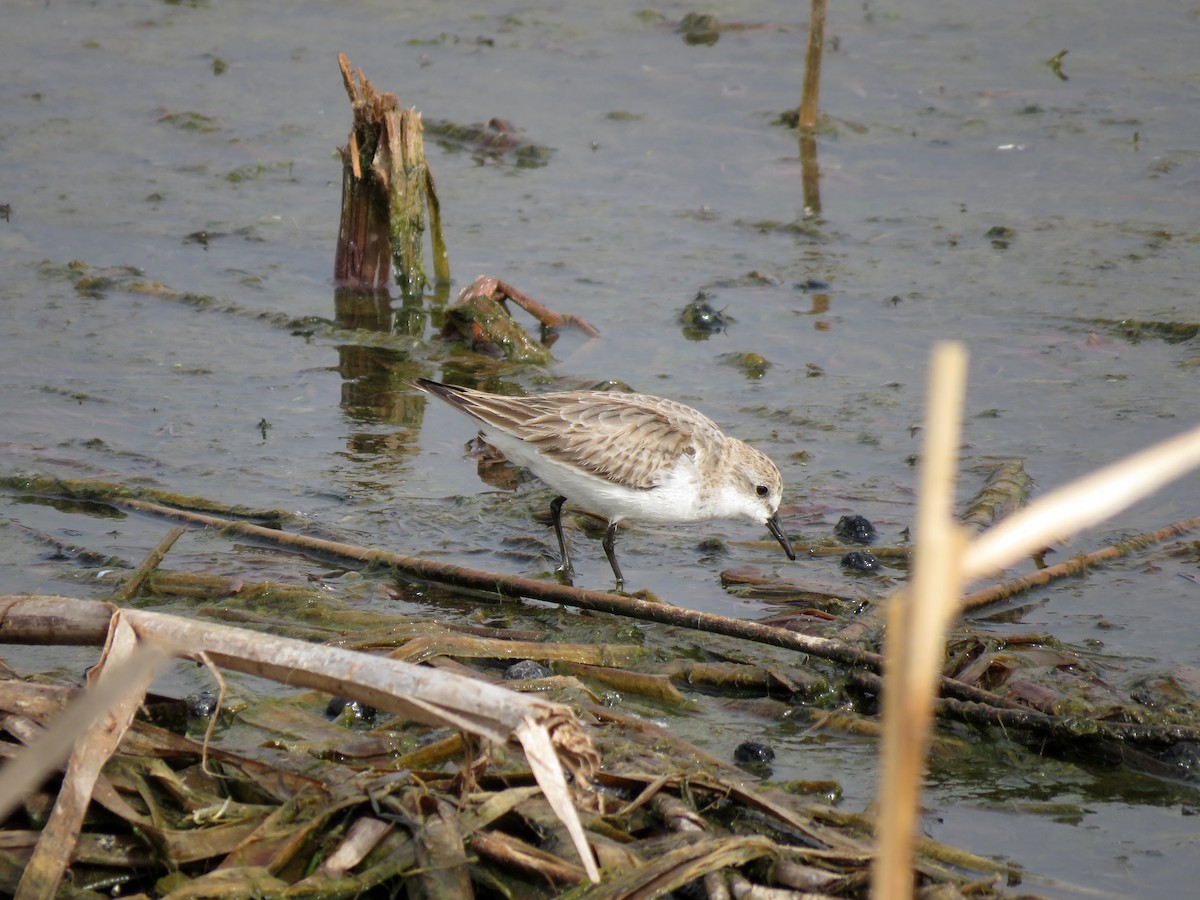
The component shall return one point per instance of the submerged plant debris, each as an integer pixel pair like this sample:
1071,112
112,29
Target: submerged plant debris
286,798
494,141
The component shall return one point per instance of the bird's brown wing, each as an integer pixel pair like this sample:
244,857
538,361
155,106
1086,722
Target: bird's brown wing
630,439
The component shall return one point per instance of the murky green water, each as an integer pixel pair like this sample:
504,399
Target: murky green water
126,128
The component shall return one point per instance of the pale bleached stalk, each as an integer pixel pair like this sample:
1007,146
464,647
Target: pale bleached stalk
545,730
919,615
28,769
1081,504
126,669
549,732
916,625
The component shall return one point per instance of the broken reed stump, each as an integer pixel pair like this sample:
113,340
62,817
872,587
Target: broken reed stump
386,188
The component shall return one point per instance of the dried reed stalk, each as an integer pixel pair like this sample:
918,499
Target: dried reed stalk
919,615
917,621
548,732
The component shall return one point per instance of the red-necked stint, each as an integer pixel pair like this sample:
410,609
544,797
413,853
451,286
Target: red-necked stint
626,456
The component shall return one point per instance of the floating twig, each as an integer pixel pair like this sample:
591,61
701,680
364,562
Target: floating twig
129,588
1004,590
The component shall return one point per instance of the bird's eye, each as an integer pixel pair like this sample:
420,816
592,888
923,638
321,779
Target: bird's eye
762,490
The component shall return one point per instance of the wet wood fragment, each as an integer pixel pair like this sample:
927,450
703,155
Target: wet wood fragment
496,140
512,852
441,856
1077,565
352,785
1004,491
364,835
386,189
657,687
480,319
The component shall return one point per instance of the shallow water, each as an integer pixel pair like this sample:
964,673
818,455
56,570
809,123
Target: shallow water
118,140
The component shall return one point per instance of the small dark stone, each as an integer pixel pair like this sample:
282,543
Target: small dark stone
751,752
1184,757
611,699
201,704
856,529
812,284
1001,236
699,28
340,707
862,561
700,319
335,706
524,669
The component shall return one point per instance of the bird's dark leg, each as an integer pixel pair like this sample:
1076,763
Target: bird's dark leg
556,505
610,537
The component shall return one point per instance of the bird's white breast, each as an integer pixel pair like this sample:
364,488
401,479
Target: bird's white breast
676,498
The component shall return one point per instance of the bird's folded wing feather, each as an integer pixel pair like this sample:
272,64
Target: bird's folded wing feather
631,440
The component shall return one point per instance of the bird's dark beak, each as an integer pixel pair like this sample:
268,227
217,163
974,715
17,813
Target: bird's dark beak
773,527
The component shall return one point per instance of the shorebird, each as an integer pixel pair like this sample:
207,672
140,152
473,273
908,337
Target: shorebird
631,457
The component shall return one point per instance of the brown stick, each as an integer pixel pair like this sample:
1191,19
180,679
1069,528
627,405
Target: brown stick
552,592
812,67
544,314
580,598
810,174
810,171
491,286
133,583
516,586
1004,590
1048,727
526,858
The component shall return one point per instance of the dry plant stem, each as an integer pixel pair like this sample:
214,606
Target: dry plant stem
810,175
1005,491
548,732
676,867
125,670
364,835
1015,717
1003,591
129,588
810,172
514,586
917,620
812,67
526,858
29,769
1081,504
544,314
503,585
216,713
490,286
